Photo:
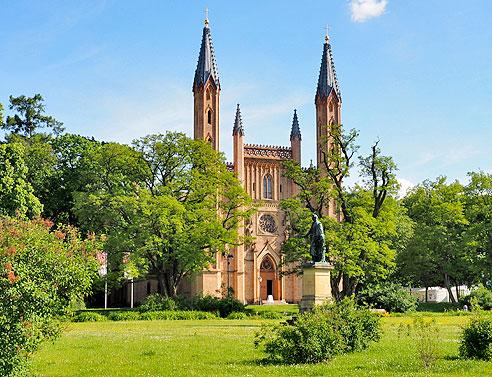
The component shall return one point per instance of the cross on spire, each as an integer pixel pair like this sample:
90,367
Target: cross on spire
206,16
327,38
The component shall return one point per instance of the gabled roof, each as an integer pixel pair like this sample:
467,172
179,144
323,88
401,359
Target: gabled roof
295,132
327,80
238,123
206,67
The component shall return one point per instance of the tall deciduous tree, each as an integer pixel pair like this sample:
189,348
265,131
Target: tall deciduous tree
361,243
16,194
169,201
30,116
478,211
437,208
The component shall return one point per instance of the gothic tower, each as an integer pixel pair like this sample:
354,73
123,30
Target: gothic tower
206,89
295,139
328,101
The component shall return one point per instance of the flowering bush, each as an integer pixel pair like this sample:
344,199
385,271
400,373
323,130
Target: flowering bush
41,273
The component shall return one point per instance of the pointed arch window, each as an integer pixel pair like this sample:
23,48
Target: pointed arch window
209,116
267,186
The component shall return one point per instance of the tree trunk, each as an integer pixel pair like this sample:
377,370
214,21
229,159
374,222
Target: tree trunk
426,296
335,287
457,291
349,286
447,285
163,283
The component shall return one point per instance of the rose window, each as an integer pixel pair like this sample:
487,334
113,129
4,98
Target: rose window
267,224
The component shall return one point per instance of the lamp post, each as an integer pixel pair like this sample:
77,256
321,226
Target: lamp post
228,256
259,281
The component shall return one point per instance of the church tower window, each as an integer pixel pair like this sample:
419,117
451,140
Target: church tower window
209,115
267,186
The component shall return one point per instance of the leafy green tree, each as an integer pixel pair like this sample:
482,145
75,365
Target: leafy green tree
41,272
361,242
30,116
437,246
54,170
16,194
478,211
169,201
1,114
67,178
39,159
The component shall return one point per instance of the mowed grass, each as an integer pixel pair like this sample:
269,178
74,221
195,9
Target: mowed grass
225,348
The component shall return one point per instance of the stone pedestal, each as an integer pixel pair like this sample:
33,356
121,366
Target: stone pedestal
316,285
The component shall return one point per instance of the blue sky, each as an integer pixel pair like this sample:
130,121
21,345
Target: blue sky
415,74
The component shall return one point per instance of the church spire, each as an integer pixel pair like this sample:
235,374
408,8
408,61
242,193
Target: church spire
238,123
295,132
207,67
206,92
327,80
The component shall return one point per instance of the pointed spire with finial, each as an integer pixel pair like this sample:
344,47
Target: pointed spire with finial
327,80
238,123
295,132
207,67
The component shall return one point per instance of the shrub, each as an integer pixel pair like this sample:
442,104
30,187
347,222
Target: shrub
124,316
427,340
476,338
320,334
41,273
390,296
482,296
219,306
237,315
89,317
176,315
156,302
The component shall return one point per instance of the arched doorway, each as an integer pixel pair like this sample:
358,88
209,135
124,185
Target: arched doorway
270,284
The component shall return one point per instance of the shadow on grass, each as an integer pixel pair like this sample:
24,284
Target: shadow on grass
263,362
452,358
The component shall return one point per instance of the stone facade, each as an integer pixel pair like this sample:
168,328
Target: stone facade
253,270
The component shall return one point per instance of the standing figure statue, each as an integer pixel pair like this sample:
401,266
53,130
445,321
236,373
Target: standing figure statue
317,240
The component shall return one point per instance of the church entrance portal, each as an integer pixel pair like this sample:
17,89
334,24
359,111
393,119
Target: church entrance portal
270,284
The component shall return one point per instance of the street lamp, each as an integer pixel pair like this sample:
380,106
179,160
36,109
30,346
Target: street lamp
228,256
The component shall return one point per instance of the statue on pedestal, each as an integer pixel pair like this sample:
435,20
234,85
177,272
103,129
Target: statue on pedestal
317,234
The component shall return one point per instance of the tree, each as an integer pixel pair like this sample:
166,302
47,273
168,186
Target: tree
169,202
41,272
478,212
30,116
361,241
437,245
67,178
16,194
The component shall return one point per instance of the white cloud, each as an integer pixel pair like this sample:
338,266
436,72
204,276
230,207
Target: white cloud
405,185
363,10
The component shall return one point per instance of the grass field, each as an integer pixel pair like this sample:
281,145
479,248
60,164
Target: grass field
225,348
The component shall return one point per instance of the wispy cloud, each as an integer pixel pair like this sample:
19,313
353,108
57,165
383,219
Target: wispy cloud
363,10
405,185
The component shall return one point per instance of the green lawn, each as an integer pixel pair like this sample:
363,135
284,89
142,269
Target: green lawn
225,348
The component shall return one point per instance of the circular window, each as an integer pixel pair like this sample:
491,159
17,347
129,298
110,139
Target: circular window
267,224
266,265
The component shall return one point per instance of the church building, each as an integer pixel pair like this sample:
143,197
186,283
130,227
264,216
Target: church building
253,270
